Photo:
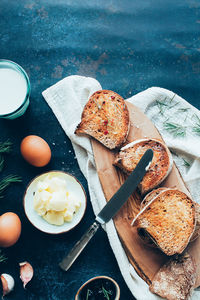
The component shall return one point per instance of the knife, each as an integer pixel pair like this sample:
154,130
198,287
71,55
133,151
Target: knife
110,209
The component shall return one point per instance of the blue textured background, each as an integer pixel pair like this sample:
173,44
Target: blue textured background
128,46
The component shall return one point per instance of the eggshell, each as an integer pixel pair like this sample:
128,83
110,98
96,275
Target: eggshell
10,229
35,151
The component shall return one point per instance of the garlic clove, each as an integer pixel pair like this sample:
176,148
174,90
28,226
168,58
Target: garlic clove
26,272
8,283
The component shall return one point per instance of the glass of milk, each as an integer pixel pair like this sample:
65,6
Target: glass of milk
14,90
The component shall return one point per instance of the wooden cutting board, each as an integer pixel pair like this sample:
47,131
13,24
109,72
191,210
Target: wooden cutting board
146,260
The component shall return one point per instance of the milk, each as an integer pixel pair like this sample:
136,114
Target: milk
13,90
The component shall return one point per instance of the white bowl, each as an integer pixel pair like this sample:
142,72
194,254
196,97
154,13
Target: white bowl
37,221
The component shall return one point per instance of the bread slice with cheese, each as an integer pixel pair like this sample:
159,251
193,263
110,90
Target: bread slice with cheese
169,219
106,118
160,166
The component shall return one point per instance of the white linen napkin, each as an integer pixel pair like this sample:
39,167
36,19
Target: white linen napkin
170,113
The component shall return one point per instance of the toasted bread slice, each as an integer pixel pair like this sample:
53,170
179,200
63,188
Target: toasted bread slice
176,279
159,169
106,118
169,219
144,235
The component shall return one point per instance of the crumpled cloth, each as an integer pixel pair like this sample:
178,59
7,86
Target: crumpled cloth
178,123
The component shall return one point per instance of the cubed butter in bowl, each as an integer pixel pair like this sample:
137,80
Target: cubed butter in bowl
55,202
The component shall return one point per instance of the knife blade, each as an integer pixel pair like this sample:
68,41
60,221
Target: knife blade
110,209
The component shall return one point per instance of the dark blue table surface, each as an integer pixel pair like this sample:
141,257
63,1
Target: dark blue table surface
128,46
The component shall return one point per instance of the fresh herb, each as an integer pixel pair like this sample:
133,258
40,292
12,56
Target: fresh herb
106,293
196,127
1,162
175,129
161,105
98,289
186,163
6,181
2,257
88,294
5,147
172,98
197,119
171,106
183,109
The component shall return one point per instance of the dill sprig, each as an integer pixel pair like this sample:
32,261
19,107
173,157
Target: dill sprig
3,258
88,294
106,293
164,104
196,127
161,105
175,129
173,105
186,163
6,181
183,109
5,147
197,119
172,98
1,162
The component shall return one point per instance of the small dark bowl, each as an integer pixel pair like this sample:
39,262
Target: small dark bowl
88,285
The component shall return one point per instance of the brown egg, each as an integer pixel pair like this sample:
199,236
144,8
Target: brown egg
10,229
35,151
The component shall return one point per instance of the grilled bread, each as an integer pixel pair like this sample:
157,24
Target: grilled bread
106,118
144,235
169,219
176,279
159,169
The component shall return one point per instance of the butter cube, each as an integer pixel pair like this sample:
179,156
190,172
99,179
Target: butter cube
54,217
58,201
68,216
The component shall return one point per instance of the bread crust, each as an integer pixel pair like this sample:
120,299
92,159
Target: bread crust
197,228
160,167
105,117
176,279
169,219
152,195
